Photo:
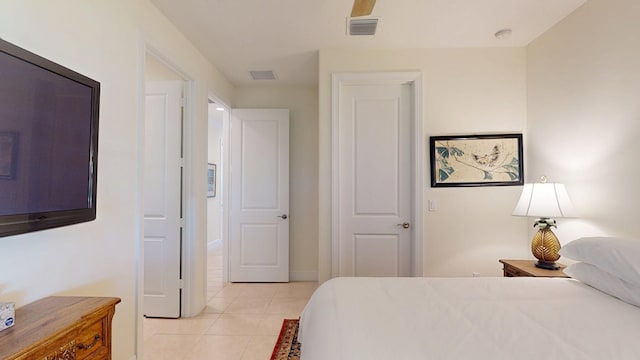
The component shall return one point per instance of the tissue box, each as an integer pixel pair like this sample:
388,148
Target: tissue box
7,315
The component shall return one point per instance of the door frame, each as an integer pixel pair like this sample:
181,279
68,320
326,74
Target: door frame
193,269
414,79
224,184
189,205
170,225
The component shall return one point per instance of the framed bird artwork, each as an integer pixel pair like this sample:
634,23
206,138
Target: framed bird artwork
476,160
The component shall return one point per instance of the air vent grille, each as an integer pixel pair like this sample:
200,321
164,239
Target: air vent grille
359,26
262,75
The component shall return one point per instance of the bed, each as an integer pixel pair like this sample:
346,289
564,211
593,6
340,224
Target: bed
475,318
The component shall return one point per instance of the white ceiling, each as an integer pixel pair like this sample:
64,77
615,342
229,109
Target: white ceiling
285,35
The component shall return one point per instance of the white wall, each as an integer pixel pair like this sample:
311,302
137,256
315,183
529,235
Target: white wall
154,70
101,39
466,91
584,115
303,177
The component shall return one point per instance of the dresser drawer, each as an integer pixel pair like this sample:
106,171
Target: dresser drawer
65,351
91,340
510,271
62,348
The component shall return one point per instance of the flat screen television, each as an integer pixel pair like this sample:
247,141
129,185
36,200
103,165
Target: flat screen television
48,143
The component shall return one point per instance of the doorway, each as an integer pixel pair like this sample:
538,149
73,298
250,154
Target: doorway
193,250
162,190
217,117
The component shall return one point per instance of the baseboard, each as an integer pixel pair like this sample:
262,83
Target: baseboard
133,357
303,276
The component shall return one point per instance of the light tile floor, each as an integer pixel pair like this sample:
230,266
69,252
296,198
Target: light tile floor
240,322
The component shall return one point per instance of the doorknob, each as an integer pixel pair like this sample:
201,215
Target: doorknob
283,216
405,225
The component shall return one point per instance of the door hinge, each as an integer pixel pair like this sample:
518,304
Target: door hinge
181,283
183,102
181,162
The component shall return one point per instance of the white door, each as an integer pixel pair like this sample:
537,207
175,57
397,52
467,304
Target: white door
162,194
375,180
259,185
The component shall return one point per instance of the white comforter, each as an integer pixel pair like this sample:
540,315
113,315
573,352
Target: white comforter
466,318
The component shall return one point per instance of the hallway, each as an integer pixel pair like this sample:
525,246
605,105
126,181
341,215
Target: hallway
240,322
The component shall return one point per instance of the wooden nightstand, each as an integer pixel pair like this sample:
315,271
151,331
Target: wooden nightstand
514,268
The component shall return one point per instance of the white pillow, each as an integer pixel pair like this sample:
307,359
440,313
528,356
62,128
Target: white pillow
618,257
605,282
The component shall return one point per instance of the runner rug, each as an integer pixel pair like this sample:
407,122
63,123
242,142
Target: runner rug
287,347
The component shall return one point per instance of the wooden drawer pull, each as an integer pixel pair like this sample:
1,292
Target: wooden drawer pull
87,347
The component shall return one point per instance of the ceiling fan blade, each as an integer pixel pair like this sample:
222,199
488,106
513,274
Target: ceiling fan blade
362,7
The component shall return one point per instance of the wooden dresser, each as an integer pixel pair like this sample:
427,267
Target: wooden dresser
60,328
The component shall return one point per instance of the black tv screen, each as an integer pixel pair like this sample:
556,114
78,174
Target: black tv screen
48,143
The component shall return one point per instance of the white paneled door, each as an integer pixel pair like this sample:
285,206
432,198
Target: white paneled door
162,194
259,212
374,170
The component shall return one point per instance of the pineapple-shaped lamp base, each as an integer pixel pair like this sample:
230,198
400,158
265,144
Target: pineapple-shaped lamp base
545,245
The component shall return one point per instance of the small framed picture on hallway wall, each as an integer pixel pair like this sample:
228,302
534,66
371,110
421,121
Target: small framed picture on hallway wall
211,180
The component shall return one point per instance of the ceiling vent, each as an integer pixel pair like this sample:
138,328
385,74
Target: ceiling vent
362,26
262,75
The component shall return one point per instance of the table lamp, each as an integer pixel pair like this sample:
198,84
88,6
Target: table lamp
545,201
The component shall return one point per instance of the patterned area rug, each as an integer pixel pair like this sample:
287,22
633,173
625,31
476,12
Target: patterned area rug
287,347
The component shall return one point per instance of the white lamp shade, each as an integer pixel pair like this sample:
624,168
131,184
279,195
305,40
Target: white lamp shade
545,200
